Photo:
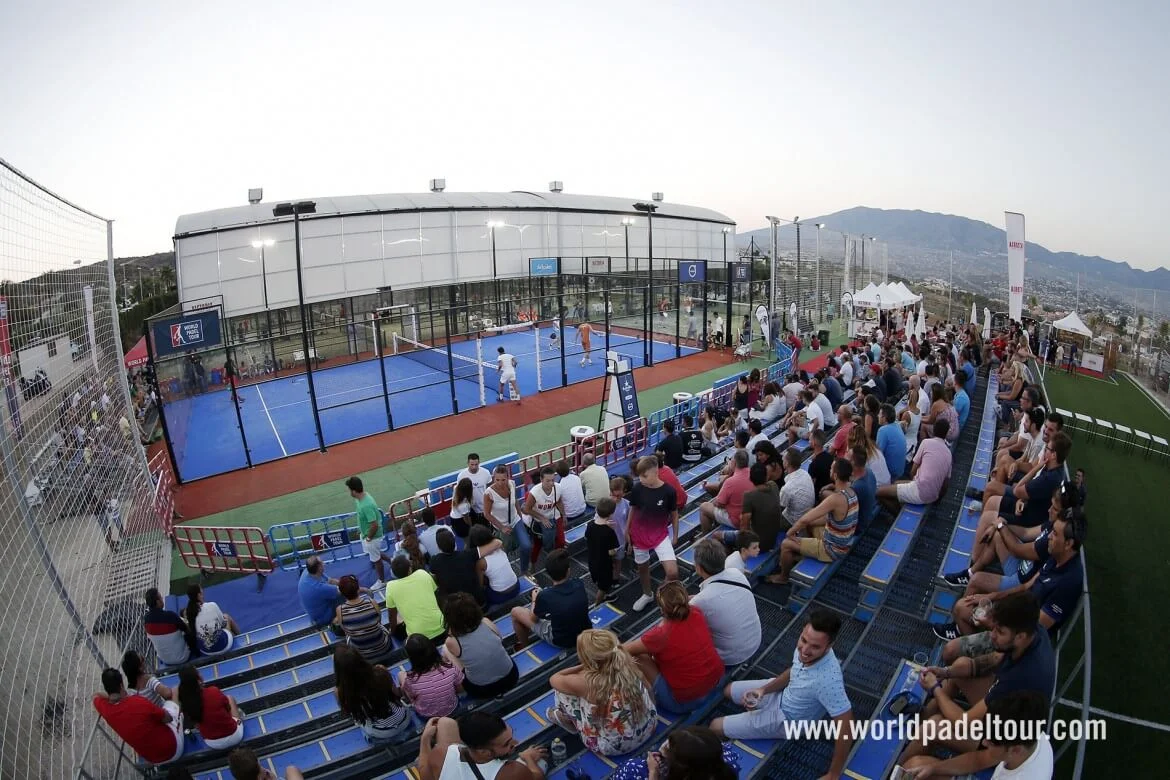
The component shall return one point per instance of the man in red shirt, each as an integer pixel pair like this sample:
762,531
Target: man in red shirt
155,733
845,424
727,506
667,475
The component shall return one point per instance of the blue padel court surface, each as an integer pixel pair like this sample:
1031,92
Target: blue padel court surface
278,420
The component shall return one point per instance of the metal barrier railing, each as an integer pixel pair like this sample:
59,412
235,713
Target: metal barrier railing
332,538
1085,661
239,549
125,758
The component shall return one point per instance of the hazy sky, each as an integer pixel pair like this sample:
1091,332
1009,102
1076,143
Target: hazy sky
142,111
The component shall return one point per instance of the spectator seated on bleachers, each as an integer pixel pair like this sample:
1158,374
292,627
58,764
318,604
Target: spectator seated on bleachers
929,474
502,584
605,698
760,511
595,480
670,445
830,526
876,462
678,655
891,440
213,712
864,484
318,592
474,645
366,693
807,419
461,512
740,443
244,765
1024,749
1022,660
168,633
771,407
807,691
726,600
839,445
1009,447
359,619
557,614
692,751
458,571
1024,506
962,401
141,681
1055,578
430,530
155,733
727,505
746,547
572,494
432,684
1037,432
479,745
411,594
215,630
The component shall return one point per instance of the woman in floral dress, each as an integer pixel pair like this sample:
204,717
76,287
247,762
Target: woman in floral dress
605,699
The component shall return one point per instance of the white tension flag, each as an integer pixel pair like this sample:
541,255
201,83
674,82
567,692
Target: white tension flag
1015,240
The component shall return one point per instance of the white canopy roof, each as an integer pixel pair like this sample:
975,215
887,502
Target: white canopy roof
866,298
907,294
1073,323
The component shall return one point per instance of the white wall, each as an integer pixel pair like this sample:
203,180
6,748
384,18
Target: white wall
59,367
355,255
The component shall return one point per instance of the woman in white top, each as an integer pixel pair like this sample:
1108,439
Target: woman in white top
141,681
911,420
461,507
543,504
214,629
709,428
874,460
772,405
503,512
502,583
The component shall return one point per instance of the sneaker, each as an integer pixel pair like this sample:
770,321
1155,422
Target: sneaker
582,364
643,601
946,631
499,396
958,579
975,506
378,585
973,493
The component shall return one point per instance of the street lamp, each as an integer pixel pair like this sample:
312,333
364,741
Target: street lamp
262,244
648,209
627,223
820,226
772,274
295,210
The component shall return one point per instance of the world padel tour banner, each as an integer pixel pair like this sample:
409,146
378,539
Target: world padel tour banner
1015,239
193,331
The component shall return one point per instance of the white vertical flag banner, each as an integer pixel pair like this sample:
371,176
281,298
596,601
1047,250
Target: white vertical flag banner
1015,240
765,323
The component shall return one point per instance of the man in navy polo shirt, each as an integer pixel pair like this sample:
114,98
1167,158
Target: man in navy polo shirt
1055,577
1022,660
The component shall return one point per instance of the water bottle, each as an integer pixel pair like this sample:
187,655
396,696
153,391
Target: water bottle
557,752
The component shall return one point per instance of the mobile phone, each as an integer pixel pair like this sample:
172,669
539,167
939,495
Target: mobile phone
899,774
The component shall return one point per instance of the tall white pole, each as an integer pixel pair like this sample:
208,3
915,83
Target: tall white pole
951,286
772,289
818,286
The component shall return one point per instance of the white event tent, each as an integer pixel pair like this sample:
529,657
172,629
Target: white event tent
1072,323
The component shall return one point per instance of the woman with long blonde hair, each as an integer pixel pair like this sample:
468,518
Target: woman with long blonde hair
875,461
605,698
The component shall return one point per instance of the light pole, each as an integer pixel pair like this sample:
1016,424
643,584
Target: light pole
263,244
627,223
772,277
951,286
649,209
295,210
799,301
492,225
820,226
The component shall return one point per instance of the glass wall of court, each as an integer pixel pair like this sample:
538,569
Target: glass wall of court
438,347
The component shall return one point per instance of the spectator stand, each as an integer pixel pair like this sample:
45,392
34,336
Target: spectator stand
237,549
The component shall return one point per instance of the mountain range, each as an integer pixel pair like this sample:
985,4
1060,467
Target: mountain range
923,230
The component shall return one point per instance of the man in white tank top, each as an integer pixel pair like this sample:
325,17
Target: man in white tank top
506,366
477,747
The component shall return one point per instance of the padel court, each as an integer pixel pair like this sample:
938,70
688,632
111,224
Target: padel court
354,401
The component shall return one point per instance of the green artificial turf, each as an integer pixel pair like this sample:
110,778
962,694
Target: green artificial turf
1128,569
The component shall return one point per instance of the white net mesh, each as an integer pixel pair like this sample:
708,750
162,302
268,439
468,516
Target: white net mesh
81,535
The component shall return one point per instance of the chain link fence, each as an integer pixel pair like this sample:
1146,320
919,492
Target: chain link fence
82,538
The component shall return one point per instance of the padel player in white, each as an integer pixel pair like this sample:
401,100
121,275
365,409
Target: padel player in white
506,366
584,334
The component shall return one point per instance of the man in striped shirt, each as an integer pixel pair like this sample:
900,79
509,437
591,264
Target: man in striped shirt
830,526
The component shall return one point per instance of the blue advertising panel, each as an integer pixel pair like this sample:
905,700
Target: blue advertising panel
176,335
628,395
543,266
692,271
741,272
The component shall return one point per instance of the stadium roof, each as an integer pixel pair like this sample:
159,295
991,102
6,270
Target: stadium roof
348,205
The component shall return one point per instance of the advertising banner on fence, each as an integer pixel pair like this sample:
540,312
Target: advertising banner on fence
1015,240
196,331
6,376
